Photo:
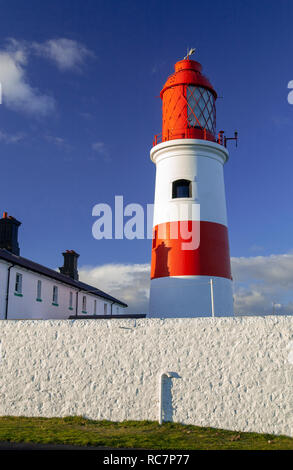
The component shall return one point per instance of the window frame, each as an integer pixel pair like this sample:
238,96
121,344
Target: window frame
55,296
39,291
18,285
70,300
174,188
84,301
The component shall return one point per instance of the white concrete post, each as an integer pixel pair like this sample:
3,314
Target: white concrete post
161,391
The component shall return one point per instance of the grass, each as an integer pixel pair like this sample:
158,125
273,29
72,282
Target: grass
134,434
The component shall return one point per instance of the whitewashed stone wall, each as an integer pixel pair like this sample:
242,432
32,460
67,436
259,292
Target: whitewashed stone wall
233,373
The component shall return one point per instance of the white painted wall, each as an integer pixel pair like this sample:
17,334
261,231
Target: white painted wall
233,373
27,307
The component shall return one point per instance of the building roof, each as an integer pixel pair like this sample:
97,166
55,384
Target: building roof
38,268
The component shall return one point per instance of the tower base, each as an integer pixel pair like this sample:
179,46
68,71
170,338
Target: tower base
172,297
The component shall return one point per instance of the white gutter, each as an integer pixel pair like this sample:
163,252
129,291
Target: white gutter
7,290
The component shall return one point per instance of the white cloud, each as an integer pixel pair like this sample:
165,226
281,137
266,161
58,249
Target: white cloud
11,138
55,140
101,149
273,269
58,141
18,93
86,115
258,283
67,54
127,282
262,280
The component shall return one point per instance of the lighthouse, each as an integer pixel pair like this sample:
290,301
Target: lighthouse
190,268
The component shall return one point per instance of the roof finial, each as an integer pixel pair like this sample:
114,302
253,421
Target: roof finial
189,53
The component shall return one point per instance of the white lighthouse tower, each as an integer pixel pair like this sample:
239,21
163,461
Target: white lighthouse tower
190,270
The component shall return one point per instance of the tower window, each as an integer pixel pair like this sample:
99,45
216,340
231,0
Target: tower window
181,188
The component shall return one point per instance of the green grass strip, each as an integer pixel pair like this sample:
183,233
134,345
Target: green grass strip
134,434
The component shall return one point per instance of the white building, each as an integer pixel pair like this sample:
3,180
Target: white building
31,291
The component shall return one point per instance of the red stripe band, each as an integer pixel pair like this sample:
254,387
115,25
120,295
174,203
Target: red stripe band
208,256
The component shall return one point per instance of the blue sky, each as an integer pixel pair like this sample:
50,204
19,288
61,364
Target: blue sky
81,129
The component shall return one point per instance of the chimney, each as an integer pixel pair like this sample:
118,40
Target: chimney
70,264
9,233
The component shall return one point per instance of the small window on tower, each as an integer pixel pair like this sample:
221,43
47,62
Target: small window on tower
181,188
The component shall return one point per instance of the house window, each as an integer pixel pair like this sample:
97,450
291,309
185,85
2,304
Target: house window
117,309
70,301
18,284
105,309
95,307
39,291
181,188
55,296
84,304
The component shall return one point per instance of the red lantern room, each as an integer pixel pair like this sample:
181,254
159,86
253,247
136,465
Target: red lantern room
189,110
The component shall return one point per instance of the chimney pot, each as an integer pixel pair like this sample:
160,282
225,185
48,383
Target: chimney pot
69,267
9,233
